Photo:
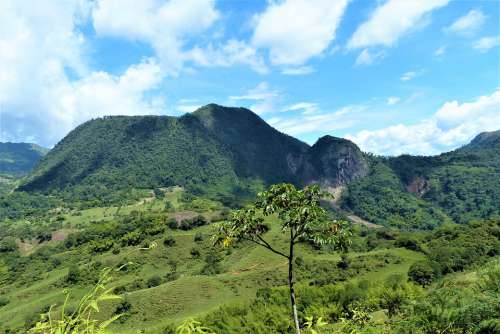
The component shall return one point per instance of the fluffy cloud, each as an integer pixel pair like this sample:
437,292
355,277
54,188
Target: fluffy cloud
486,43
453,125
164,25
391,21
39,44
296,30
468,24
233,52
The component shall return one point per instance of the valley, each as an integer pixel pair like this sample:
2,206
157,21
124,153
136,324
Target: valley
145,196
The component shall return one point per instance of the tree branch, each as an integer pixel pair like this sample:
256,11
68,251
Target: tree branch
265,244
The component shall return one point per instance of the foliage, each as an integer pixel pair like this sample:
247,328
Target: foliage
80,321
301,216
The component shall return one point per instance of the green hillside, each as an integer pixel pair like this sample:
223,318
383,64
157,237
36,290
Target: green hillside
416,191
18,159
172,272
226,152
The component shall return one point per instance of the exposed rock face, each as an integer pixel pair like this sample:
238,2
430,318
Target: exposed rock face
333,162
418,187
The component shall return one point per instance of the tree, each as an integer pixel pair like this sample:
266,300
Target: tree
301,217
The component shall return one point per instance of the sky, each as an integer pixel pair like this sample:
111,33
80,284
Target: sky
394,76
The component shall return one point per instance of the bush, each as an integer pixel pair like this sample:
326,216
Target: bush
212,265
408,242
131,239
172,223
3,301
74,274
198,237
8,244
154,281
423,272
195,252
344,262
169,241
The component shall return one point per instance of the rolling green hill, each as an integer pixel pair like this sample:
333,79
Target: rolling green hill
18,159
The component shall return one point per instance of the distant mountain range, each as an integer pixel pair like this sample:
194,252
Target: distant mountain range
18,159
222,151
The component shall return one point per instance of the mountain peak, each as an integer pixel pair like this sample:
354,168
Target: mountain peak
486,138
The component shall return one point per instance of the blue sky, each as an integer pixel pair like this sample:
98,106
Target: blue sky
394,76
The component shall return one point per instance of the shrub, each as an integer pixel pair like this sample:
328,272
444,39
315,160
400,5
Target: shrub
154,281
74,274
131,239
344,262
408,242
423,272
3,301
169,241
8,244
172,223
198,237
195,252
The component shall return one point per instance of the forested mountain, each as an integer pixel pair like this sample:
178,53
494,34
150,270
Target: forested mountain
408,191
231,152
227,151
17,159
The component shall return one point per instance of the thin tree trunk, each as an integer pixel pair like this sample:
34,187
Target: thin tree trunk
292,290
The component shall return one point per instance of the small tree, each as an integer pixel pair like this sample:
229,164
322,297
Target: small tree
302,218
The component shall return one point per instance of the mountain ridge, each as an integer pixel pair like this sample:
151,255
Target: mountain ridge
232,152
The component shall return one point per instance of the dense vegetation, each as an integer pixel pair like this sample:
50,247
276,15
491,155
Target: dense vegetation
17,159
423,192
389,281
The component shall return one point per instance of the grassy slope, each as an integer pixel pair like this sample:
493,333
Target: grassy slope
245,270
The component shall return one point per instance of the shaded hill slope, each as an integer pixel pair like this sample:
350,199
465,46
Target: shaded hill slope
18,159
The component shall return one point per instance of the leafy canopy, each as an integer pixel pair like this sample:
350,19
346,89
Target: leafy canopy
299,212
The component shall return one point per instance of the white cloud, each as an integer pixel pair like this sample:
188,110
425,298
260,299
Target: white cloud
39,43
392,100
391,21
322,122
366,58
300,70
185,108
453,125
486,43
468,24
297,30
407,76
263,99
164,25
233,52
306,107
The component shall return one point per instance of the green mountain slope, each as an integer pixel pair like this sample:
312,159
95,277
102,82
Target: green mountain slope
218,150
17,159
409,191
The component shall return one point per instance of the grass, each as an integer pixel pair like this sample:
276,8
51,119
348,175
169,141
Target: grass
246,268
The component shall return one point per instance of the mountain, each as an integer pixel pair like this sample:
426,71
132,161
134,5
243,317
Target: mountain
217,150
230,153
18,159
409,191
